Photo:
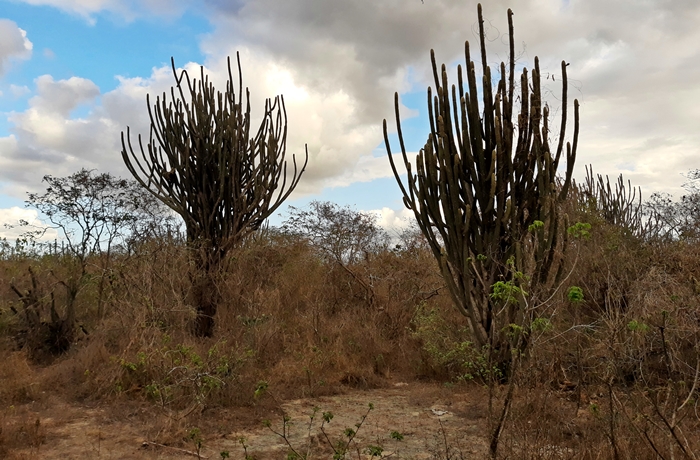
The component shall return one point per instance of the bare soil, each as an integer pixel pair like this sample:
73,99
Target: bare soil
432,419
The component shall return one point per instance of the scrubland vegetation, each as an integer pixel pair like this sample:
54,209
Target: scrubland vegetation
611,370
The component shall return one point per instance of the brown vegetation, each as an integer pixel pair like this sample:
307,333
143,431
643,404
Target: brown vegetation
612,375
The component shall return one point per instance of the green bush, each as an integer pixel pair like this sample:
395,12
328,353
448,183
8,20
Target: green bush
447,348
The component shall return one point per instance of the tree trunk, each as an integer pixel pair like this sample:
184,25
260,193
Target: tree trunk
204,293
204,297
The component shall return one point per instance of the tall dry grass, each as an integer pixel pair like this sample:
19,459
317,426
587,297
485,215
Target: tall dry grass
289,318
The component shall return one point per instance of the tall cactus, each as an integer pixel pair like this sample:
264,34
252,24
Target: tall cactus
620,206
202,162
485,191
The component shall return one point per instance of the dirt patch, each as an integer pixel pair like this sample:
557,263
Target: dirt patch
429,420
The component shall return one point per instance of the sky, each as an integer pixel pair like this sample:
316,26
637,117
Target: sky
75,73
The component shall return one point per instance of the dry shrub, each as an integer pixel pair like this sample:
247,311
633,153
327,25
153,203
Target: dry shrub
290,319
549,424
18,379
617,375
19,428
308,322
18,388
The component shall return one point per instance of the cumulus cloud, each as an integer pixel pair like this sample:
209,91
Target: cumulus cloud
60,97
367,168
393,221
11,226
637,79
360,49
14,44
46,139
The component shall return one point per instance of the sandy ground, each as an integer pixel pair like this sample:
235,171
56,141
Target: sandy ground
435,422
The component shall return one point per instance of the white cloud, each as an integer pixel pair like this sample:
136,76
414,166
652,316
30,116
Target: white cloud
60,97
46,140
367,168
638,79
19,91
11,228
46,125
126,9
13,44
393,221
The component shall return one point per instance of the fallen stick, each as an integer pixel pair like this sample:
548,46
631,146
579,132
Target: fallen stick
184,451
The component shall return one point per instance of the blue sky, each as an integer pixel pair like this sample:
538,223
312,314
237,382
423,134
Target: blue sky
66,45
74,73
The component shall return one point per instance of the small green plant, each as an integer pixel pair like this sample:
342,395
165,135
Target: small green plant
195,435
580,230
242,442
536,225
396,435
575,294
175,374
510,292
507,292
514,330
134,366
637,326
340,447
541,325
447,348
294,453
260,389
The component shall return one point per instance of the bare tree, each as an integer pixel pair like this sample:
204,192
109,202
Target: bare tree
92,214
343,236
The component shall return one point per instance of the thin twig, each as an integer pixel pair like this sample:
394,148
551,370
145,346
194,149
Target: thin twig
184,451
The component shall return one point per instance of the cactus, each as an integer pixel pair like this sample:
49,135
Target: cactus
485,191
620,206
203,163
